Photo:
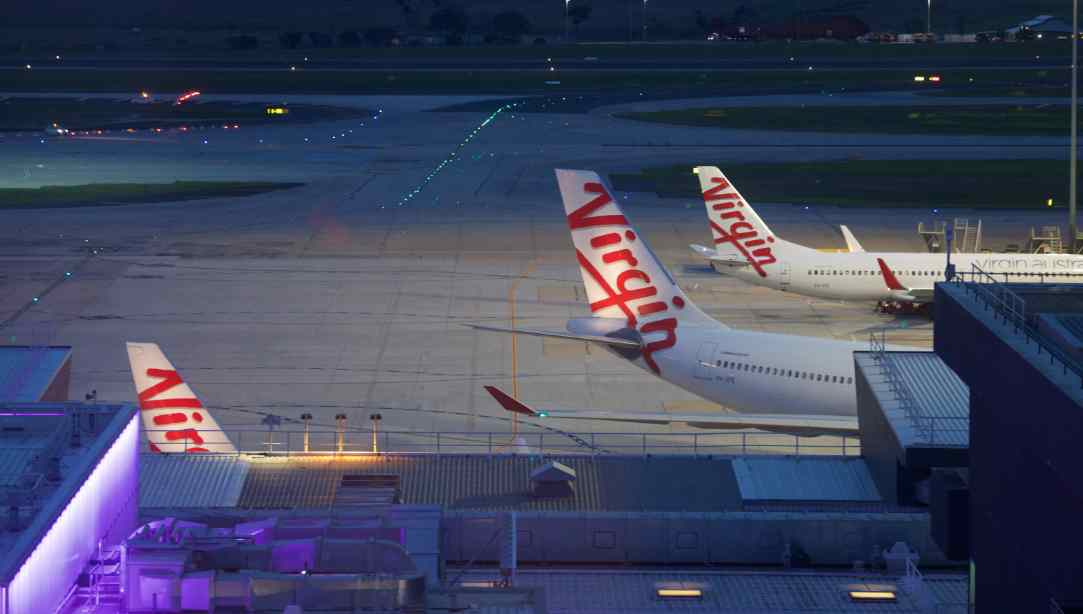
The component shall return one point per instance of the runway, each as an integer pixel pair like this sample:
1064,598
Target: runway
345,296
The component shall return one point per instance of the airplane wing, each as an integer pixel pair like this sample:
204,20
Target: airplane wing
617,342
717,258
808,425
901,292
851,240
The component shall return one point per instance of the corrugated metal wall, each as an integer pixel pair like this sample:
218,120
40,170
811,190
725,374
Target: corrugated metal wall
829,538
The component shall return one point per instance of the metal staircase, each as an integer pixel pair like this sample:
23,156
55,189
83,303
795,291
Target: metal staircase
98,589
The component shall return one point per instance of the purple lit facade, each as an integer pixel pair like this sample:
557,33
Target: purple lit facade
104,507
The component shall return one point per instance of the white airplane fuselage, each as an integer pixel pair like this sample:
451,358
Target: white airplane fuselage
755,372
857,276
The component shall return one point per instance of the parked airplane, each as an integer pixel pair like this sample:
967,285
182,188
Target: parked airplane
639,313
173,418
747,249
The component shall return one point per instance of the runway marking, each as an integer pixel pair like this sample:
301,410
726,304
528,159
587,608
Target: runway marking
48,290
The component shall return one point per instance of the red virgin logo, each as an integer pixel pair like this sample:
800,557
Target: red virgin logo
632,290
176,422
732,227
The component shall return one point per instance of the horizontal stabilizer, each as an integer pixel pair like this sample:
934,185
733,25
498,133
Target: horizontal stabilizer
703,251
718,258
611,341
808,425
901,292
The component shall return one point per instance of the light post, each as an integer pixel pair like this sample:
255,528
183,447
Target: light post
566,3
306,418
375,431
340,427
1072,231
929,18
644,20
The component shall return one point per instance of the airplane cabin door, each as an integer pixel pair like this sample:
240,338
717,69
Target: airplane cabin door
784,275
704,366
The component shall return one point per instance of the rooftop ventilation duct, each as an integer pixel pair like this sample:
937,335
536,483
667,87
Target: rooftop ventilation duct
553,479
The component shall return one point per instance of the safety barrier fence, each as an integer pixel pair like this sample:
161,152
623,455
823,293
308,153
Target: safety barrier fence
1010,308
322,442
934,430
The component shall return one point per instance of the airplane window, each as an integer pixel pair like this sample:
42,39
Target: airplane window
849,380
819,377
833,379
718,363
804,375
727,365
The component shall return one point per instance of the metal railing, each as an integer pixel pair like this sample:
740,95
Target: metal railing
1010,308
354,442
934,430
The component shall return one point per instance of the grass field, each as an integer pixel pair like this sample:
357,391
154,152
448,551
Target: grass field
97,194
731,50
1023,184
464,81
73,114
1012,91
1020,119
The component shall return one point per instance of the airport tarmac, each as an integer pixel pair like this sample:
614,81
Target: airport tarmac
348,295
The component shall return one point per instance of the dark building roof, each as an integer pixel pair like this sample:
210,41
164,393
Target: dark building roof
27,373
476,482
469,482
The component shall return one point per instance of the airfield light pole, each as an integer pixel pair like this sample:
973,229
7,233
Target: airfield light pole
929,17
566,3
644,20
1072,232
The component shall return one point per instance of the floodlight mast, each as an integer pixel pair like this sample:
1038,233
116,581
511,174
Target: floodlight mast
566,3
1073,234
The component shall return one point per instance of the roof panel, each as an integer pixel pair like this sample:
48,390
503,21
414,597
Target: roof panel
27,371
780,592
804,479
479,482
940,413
193,480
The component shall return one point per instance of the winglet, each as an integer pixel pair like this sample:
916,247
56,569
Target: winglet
509,402
889,277
851,241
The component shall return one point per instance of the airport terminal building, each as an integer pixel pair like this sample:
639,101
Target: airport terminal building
936,514
1019,348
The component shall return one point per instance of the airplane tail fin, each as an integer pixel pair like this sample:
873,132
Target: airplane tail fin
734,224
174,419
622,275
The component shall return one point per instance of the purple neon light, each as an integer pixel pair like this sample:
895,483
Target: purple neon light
103,508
